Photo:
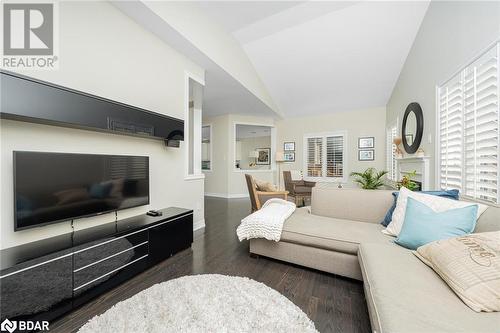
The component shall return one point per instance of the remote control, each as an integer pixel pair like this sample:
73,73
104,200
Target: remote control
154,213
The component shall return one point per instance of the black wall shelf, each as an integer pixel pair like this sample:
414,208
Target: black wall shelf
31,100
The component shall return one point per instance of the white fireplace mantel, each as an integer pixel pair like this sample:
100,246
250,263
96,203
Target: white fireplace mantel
420,165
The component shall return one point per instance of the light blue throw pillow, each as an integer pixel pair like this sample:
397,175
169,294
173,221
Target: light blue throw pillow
423,225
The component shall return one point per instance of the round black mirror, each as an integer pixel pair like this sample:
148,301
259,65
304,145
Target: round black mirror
413,127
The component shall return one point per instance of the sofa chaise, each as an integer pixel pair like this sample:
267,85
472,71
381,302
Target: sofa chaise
341,234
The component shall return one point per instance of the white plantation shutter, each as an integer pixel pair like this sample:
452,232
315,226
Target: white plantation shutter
391,167
325,156
469,124
481,128
314,157
451,126
334,156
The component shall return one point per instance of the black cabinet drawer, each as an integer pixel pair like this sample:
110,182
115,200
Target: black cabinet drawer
39,291
96,273
92,252
166,239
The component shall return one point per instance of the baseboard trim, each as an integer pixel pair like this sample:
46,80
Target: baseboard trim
199,225
236,196
216,195
226,196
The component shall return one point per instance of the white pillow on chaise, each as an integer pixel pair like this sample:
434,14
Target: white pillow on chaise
438,204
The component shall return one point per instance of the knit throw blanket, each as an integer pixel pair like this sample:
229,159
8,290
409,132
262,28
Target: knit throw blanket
267,222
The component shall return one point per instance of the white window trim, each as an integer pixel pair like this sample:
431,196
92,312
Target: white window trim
273,147
197,174
211,148
345,157
437,143
394,124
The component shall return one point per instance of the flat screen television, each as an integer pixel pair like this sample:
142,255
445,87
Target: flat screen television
54,187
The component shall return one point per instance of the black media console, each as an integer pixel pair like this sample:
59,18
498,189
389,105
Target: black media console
45,279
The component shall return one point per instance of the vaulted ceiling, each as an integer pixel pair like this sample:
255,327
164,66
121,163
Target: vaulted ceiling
320,57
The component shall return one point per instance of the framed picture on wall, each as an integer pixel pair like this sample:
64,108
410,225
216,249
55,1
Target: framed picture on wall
264,157
366,155
366,142
289,157
289,146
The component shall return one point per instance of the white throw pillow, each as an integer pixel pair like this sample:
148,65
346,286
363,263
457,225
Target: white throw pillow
438,204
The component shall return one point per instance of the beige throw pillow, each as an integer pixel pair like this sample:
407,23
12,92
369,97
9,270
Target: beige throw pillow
265,186
470,265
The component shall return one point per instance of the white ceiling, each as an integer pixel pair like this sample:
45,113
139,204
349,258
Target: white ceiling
234,15
320,57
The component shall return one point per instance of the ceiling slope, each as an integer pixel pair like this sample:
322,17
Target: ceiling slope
322,57
231,83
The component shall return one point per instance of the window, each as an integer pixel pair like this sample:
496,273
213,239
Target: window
391,166
325,156
206,147
468,129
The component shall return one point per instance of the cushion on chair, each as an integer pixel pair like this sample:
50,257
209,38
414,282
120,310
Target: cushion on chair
265,186
303,189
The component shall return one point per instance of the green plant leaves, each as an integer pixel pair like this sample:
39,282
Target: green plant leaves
370,179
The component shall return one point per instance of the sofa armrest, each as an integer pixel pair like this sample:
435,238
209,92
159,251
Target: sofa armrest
309,184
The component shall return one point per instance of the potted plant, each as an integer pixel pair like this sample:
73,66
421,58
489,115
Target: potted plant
407,182
371,179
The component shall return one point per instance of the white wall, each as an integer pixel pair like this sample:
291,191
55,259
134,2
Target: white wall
359,123
216,180
225,181
105,53
451,33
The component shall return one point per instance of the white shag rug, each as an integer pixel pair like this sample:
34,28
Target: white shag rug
203,303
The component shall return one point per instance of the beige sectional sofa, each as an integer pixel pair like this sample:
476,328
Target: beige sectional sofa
342,235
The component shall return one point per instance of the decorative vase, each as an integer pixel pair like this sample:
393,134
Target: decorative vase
397,142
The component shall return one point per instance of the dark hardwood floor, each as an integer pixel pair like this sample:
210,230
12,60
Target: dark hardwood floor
334,303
